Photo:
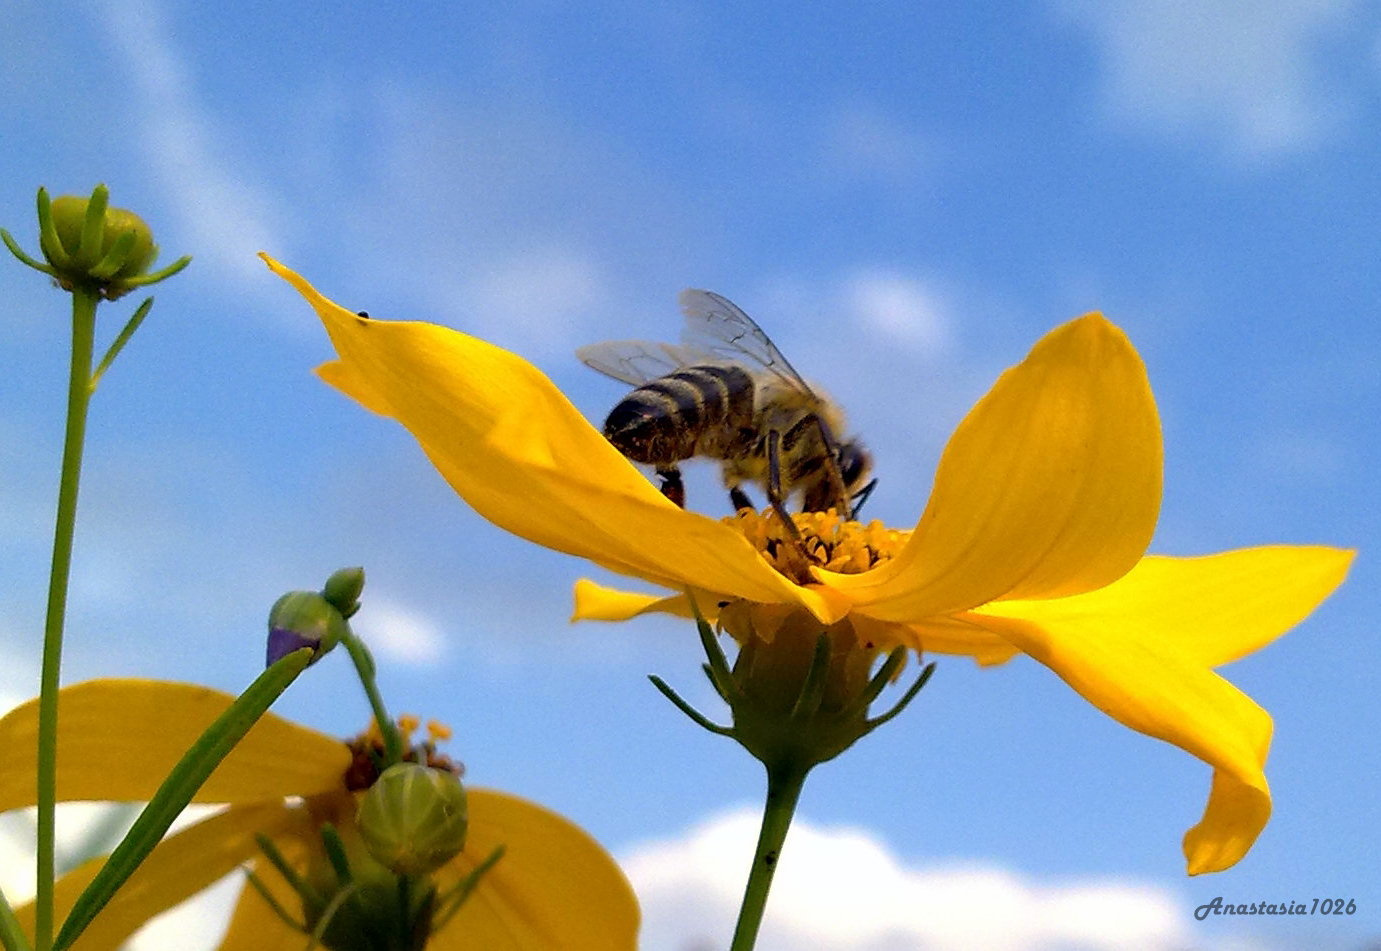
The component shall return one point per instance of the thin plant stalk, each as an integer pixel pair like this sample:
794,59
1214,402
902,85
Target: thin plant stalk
78,399
784,784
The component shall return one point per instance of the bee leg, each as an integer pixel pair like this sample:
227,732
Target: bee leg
842,505
774,485
672,486
739,499
861,496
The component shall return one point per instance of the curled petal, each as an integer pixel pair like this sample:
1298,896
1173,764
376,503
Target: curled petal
120,738
180,866
1049,487
596,602
1158,693
554,887
521,455
1140,650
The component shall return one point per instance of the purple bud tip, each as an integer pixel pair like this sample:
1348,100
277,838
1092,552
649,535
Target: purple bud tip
283,642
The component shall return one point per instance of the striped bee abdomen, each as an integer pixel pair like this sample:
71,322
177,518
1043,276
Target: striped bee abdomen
665,421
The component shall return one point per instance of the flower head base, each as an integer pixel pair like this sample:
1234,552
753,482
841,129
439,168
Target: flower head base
801,697
371,873
93,248
351,901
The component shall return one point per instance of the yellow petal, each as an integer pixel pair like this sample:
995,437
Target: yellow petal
119,738
1210,609
554,887
180,866
596,602
253,924
521,455
1049,487
962,637
1154,691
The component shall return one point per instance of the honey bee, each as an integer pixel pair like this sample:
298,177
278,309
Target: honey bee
727,393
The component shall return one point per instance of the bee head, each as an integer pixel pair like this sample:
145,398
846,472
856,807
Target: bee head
855,463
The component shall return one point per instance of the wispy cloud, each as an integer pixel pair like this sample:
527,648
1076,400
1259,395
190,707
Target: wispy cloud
400,634
842,889
1241,74
225,218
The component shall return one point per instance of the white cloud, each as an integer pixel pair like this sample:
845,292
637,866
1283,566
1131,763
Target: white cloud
399,634
904,308
1240,69
883,303
539,295
226,220
841,889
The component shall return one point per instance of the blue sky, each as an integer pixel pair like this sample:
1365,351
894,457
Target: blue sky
907,200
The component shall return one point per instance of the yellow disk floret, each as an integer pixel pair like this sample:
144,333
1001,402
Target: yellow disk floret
826,540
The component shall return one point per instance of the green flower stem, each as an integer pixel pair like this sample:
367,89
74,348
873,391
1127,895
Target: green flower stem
78,399
364,666
784,783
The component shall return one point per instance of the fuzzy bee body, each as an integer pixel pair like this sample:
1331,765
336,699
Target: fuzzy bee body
696,411
726,393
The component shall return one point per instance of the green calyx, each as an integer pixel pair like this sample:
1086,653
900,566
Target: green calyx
800,699
92,248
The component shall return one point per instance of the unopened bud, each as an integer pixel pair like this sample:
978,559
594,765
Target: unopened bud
343,590
414,818
303,619
92,248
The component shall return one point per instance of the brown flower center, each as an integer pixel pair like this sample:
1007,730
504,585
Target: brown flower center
367,752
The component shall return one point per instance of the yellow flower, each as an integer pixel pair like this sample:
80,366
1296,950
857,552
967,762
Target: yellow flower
553,888
1033,540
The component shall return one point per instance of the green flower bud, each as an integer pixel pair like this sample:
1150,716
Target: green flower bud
343,590
414,818
93,248
90,248
303,619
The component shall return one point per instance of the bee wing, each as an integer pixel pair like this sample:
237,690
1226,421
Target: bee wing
640,361
716,326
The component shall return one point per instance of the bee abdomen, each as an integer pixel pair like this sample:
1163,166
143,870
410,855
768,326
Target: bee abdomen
662,421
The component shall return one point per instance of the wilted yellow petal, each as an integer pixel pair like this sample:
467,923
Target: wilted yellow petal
521,455
1159,693
180,866
119,739
1050,486
555,887
1210,609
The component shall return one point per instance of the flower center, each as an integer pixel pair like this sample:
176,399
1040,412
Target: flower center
827,541
367,753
